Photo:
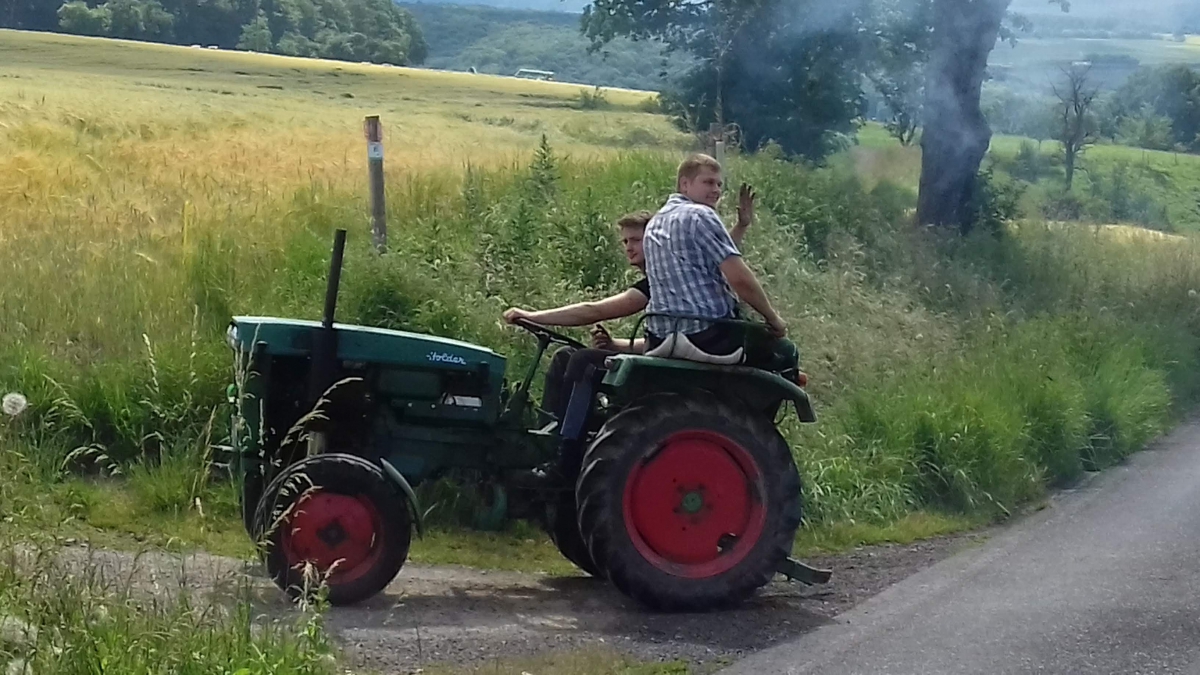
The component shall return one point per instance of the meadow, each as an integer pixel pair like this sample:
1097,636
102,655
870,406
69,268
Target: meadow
148,193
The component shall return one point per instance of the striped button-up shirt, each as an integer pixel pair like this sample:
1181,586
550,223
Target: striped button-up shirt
685,244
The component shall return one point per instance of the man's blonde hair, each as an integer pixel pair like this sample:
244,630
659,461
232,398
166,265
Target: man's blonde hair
637,219
690,167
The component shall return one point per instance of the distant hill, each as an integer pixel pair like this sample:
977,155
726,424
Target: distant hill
564,6
1120,16
1155,15
500,41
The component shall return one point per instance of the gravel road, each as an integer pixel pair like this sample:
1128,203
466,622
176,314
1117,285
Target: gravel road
457,615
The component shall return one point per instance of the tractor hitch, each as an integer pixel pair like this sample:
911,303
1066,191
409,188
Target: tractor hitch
795,570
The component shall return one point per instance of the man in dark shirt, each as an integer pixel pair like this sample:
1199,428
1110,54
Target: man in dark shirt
562,374
570,377
626,303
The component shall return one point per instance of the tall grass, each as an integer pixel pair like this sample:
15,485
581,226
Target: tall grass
62,611
950,375
963,376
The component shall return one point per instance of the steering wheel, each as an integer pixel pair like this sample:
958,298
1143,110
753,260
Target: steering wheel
541,331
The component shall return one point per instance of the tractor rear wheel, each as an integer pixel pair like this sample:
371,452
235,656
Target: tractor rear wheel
340,517
564,532
688,503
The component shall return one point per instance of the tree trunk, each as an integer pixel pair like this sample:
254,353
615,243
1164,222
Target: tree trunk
956,135
1071,153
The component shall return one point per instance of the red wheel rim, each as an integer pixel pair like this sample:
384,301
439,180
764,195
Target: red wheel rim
695,508
326,528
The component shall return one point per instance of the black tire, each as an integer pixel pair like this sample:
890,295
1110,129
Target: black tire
252,489
620,466
563,528
362,519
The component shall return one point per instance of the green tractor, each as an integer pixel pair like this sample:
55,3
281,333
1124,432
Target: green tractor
688,497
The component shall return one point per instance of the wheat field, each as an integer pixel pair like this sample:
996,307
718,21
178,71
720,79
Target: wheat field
118,160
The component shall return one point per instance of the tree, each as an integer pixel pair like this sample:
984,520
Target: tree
1146,130
30,14
370,30
788,71
899,53
957,135
256,35
153,21
76,17
1075,124
1172,92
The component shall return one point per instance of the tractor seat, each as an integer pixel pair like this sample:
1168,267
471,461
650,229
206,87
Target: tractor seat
678,346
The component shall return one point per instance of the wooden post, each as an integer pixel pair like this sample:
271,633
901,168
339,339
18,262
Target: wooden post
720,153
714,133
374,134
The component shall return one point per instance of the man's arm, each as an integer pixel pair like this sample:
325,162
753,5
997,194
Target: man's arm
741,278
745,214
584,313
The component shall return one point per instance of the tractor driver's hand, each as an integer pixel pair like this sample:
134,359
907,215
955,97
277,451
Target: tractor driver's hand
513,315
777,326
601,339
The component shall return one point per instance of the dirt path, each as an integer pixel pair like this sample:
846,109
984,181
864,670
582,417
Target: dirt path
458,615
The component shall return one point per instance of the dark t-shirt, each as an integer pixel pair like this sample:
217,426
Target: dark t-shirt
642,287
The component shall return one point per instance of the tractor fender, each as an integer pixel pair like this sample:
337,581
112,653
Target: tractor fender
638,374
409,494
791,390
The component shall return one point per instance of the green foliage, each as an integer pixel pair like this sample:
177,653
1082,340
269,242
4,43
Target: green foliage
355,30
1170,93
256,35
1013,113
960,375
592,100
995,202
784,71
1145,130
1119,196
899,57
1030,165
77,17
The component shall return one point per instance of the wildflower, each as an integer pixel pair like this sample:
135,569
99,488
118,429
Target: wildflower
14,404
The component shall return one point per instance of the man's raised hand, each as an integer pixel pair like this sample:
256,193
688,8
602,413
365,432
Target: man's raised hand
745,208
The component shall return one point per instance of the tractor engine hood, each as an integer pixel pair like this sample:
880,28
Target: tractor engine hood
364,344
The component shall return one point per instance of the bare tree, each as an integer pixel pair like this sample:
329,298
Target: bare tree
1075,125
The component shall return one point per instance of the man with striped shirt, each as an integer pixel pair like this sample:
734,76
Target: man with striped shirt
695,269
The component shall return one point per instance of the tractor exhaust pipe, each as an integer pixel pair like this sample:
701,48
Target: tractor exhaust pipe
324,349
335,279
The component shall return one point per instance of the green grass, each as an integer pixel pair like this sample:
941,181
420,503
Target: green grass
955,380
1164,181
150,192
839,537
65,614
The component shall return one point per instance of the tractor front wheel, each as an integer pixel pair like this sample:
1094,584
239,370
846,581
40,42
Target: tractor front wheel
339,517
688,503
